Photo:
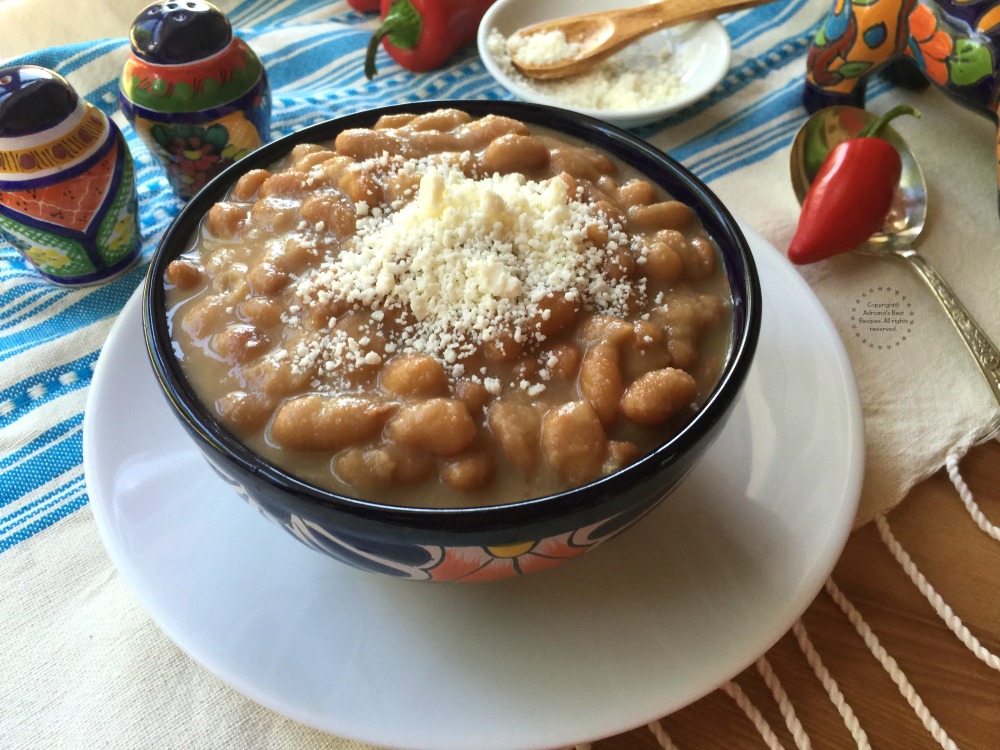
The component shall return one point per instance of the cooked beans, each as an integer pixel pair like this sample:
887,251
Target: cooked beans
658,395
244,411
637,193
474,395
414,375
573,441
600,382
325,423
442,426
227,219
329,212
562,361
660,261
283,185
349,391
516,427
184,275
264,312
468,473
248,185
375,467
240,343
663,215
515,153
439,120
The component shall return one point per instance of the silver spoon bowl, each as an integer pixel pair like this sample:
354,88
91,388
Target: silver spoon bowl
822,132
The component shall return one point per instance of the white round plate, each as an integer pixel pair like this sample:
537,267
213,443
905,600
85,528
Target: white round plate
630,631
701,55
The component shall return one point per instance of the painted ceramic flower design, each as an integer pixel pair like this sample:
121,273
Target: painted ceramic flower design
464,563
194,154
67,187
423,541
951,43
856,38
196,94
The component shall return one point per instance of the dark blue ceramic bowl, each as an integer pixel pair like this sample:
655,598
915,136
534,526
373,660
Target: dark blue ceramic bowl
469,544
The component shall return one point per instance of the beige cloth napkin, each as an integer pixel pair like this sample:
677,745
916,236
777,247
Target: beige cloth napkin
93,671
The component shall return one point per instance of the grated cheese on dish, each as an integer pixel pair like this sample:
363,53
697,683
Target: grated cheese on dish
640,76
464,262
543,48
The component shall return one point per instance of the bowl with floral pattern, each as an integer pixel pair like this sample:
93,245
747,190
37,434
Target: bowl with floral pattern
464,543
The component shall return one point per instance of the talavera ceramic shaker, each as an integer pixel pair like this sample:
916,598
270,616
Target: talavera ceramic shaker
67,184
195,93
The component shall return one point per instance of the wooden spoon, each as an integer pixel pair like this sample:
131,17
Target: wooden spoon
600,35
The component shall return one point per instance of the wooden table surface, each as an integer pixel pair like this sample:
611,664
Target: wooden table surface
957,693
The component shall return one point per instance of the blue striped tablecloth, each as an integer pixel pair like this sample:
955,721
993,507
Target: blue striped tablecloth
55,580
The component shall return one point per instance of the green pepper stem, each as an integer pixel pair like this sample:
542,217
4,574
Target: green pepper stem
402,24
875,127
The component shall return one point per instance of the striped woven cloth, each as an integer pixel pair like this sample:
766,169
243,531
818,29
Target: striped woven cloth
56,583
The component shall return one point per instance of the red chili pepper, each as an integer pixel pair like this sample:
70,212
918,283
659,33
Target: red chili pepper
422,34
851,194
366,6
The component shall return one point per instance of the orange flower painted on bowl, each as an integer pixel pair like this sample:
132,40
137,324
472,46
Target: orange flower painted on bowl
462,563
931,46
470,564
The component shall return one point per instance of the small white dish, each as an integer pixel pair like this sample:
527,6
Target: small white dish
700,58
640,627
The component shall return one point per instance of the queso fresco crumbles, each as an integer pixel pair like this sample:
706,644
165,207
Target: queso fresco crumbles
448,311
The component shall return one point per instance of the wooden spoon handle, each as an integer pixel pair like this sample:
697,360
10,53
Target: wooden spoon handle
673,12
647,18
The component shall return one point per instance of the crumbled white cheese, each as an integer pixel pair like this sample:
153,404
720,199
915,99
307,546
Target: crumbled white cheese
544,48
640,76
467,260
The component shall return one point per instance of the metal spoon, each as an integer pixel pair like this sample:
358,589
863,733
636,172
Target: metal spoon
829,127
600,35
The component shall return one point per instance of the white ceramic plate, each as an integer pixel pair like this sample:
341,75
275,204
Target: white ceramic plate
637,628
700,59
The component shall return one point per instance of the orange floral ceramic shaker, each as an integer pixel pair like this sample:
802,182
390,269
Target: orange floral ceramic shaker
67,183
195,93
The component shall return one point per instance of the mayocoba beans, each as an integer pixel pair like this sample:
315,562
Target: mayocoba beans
304,311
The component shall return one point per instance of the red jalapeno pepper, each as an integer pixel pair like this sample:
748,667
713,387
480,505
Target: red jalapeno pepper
366,6
422,34
851,194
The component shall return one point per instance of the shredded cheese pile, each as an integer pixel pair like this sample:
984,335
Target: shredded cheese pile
643,75
466,260
543,48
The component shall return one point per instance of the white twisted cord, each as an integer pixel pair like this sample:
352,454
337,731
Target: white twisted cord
830,685
802,741
944,611
951,464
661,736
891,667
740,698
